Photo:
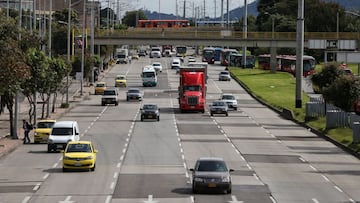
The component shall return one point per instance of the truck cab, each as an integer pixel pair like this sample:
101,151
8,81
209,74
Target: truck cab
192,89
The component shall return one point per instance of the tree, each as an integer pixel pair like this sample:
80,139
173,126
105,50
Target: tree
14,70
323,79
131,16
343,92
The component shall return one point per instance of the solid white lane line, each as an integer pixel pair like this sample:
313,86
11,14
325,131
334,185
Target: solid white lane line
46,176
26,199
118,165
315,200
115,175
55,165
272,199
327,180
37,186
108,199
301,159
312,167
121,157
112,185
338,189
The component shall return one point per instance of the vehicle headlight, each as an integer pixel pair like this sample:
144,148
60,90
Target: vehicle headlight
89,157
35,133
197,179
66,158
50,141
225,179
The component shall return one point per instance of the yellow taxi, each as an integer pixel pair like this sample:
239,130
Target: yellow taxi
120,81
100,87
79,155
43,130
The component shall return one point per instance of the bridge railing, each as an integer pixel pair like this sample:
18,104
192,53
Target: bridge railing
186,34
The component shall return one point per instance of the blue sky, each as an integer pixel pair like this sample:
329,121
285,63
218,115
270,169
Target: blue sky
169,6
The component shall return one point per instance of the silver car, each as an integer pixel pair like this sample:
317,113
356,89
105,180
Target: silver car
134,94
211,173
219,107
224,76
230,99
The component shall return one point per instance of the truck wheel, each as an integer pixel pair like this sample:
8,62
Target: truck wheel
235,108
102,104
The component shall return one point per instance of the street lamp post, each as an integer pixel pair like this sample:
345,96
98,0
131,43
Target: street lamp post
68,50
245,34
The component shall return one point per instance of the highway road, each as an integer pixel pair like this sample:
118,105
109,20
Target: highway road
274,159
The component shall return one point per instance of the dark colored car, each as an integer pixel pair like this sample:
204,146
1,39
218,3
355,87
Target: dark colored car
219,107
211,173
150,111
133,93
142,53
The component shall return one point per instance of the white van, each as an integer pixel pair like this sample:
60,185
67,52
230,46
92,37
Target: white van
149,76
61,133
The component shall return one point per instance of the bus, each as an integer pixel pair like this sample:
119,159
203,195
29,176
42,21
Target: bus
208,55
217,53
163,24
287,63
237,60
181,50
225,56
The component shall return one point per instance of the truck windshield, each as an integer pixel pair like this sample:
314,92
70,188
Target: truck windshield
148,74
192,88
121,56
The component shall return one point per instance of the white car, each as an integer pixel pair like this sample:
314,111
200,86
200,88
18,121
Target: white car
192,59
224,76
157,66
230,100
175,63
155,52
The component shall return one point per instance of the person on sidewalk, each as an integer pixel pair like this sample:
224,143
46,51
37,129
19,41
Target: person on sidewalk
27,128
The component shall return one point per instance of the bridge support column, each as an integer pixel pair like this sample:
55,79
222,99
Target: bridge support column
273,61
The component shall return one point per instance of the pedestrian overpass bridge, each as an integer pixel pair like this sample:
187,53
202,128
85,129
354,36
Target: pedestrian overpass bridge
224,38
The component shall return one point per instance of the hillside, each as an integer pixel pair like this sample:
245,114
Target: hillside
252,10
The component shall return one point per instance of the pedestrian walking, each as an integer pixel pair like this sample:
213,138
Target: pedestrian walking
27,128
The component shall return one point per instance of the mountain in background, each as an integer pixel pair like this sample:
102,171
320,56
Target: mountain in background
252,10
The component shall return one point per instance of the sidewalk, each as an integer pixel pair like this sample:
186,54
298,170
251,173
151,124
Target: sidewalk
7,144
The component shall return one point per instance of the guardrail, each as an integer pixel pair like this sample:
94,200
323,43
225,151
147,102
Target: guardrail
201,34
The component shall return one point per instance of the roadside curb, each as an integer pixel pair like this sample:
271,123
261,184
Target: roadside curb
280,112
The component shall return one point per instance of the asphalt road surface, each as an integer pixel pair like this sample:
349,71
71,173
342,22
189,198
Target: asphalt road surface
274,159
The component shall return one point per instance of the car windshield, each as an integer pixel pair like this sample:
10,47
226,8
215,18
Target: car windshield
216,166
218,104
62,131
109,92
100,85
149,107
224,73
78,148
120,77
228,97
155,64
133,91
45,124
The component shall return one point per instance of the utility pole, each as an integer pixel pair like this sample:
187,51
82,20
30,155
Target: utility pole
215,9
222,13
299,52
50,22
68,49
184,9
228,16
245,34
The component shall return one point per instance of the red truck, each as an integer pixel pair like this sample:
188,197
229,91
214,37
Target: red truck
192,89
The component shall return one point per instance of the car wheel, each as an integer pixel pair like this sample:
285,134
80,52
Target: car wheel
211,114
127,98
93,168
226,114
194,190
102,104
49,149
142,118
64,169
36,142
235,108
116,103
203,111
228,191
